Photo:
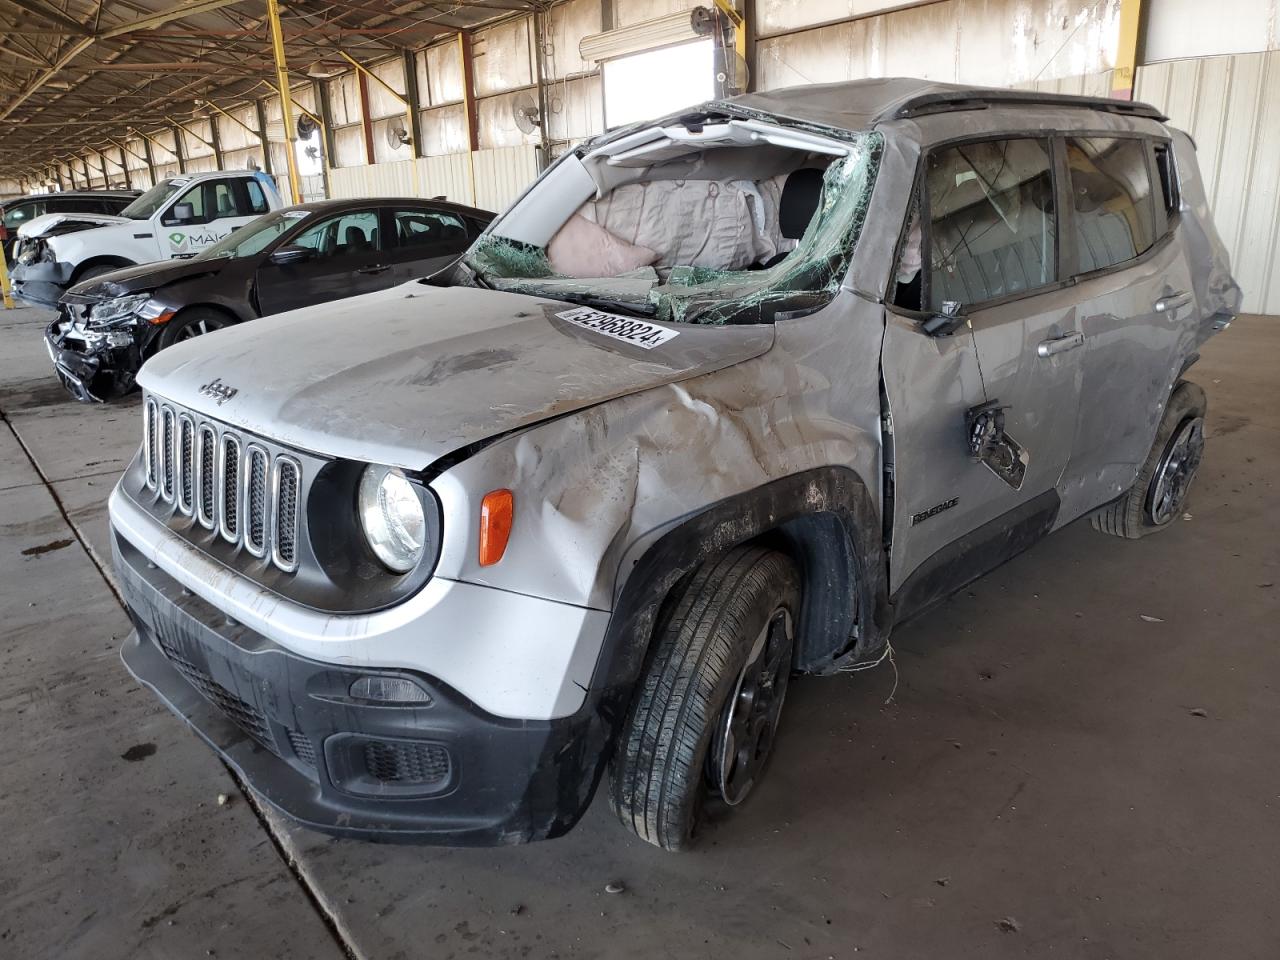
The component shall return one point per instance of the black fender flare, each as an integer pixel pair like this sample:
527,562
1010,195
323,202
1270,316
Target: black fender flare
773,509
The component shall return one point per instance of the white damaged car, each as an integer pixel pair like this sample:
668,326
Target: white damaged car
720,398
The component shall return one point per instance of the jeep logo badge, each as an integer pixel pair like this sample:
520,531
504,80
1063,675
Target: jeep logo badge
218,390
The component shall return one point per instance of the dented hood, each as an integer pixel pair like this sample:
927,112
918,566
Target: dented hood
46,224
411,374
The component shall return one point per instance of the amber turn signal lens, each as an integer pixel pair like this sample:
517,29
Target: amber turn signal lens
496,513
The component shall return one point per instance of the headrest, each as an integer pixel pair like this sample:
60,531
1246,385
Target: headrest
799,201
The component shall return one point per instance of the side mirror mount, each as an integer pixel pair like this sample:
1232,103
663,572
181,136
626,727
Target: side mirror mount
290,253
948,321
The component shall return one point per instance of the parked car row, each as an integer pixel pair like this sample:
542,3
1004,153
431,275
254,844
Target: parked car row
19,212
113,317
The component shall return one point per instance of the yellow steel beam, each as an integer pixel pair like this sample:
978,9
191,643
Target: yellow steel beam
408,108
739,26
286,101
179,123
1122,79
5,291
213,106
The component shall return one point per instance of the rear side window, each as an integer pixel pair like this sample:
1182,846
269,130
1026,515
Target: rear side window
432,232
18,214
992,223
1115,206
257,199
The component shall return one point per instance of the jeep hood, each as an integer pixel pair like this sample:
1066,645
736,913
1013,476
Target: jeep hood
60,223
409,375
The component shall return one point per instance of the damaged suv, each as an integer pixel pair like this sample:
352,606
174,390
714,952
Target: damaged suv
720,398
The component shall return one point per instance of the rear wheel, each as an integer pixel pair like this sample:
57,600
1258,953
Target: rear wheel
192,323
705,714
1158,495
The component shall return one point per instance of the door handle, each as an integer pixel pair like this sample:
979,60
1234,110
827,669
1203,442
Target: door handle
1068,341
376,268
1172,302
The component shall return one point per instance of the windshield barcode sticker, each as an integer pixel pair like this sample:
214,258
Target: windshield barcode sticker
628,329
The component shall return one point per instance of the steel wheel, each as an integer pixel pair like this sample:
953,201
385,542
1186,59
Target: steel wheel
749,721
1175,472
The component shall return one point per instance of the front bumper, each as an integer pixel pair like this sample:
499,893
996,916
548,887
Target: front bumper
41,283
445,773
92,372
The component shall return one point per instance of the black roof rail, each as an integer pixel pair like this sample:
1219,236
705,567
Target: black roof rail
948,102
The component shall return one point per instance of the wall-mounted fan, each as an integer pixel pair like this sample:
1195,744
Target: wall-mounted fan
396,135
306,127
525,112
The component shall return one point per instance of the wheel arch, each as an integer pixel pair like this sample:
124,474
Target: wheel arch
104,260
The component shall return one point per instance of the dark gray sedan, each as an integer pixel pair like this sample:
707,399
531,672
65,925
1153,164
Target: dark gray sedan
296,257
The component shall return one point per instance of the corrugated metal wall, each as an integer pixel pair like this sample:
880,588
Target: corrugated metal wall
499,177
1226,104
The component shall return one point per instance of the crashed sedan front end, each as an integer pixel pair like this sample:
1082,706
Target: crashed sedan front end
97,344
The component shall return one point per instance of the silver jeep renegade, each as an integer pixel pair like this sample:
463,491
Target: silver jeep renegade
719,398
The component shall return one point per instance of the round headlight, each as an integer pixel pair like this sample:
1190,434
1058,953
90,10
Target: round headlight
392,518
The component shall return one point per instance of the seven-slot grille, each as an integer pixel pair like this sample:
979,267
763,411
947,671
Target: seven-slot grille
228,483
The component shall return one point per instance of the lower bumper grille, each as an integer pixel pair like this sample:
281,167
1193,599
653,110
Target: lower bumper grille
245,716
407,763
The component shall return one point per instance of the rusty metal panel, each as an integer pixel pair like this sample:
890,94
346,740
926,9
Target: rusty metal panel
444,74
444,130
575,109
503,57
567,24
348,146
1225,103
996,43
381,102
627,12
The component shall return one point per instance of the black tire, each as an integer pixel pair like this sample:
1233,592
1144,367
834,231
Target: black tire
675,742
192,322
96,271
1152,502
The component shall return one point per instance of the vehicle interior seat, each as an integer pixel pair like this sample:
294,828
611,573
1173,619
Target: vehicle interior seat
801,194
225,207
354,239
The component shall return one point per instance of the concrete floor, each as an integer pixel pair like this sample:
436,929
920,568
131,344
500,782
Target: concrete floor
1079,759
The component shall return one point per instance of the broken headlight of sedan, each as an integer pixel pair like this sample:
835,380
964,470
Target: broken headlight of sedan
119,311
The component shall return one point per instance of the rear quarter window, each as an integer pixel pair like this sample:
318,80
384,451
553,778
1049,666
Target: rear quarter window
1115,204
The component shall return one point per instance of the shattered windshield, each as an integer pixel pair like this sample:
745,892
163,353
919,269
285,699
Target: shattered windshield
738,222
145,207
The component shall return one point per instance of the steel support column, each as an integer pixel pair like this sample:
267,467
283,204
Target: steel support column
1122,79
286,101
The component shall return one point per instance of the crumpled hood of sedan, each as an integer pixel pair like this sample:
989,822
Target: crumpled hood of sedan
408,375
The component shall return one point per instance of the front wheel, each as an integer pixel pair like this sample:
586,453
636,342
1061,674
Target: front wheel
192,323
705,714
1160,491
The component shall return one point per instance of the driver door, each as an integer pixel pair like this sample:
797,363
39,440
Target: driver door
347,259
990,253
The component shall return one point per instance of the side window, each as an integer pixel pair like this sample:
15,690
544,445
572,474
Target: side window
344,235
992,228
1115,207
20,213
257,199
223,200
432,232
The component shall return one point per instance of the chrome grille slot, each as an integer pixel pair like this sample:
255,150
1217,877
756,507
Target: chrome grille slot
229,487
150,425
246,492
166,452
255,500
206,475
284,498
186,462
